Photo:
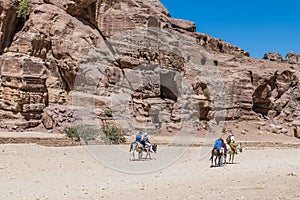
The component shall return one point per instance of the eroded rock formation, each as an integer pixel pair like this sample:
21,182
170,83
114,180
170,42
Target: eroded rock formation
72,61
8,22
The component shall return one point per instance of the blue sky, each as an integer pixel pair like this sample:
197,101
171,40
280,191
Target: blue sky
258,26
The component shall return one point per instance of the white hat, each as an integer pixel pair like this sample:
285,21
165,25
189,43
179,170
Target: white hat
145,134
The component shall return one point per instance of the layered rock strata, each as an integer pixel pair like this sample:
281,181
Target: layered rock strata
73,62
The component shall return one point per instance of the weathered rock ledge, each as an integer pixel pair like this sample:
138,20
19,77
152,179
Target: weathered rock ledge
72,62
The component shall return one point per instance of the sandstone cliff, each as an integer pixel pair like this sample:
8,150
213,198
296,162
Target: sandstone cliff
75,61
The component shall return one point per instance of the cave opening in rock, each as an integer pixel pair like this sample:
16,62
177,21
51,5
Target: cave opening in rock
166,93
261,99
168,86
261,107
203,112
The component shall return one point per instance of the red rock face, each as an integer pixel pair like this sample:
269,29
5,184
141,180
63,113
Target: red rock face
8,23
132,58
23,91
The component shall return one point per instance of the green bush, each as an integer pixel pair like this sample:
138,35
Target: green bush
88,133
241,119
72,132
107,113
85,133
195,118
223,130
206,93
109,134
113,135
278,107
274,130
23,8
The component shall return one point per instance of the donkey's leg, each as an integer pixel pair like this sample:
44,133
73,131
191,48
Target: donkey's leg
222,160
147,154
212,157
216,160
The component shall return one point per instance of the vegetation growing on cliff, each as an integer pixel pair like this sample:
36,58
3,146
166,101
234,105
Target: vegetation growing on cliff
23,8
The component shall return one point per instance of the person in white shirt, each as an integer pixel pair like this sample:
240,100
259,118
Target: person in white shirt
231,141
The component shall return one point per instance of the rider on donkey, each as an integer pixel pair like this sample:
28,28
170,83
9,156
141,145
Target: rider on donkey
138,137
231,141
219,143
146,141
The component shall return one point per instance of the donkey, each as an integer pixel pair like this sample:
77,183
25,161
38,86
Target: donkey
147,150
219,155
135,148
229,151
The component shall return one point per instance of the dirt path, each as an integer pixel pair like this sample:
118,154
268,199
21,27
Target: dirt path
36,172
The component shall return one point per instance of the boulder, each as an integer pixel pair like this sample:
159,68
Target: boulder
47,120
292,58
284,131
273,56
183,24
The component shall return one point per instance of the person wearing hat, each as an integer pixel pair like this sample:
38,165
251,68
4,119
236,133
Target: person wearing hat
147,142
231,141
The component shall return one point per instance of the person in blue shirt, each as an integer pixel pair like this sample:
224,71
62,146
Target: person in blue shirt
138,137
219,143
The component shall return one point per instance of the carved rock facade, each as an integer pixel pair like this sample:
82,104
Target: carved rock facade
130,57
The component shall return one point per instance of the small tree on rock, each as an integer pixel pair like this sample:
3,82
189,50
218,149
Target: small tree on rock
23,8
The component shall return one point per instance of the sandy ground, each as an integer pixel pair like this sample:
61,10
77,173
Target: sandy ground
105,172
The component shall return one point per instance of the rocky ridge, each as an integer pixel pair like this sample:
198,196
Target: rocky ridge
291,57
71,61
